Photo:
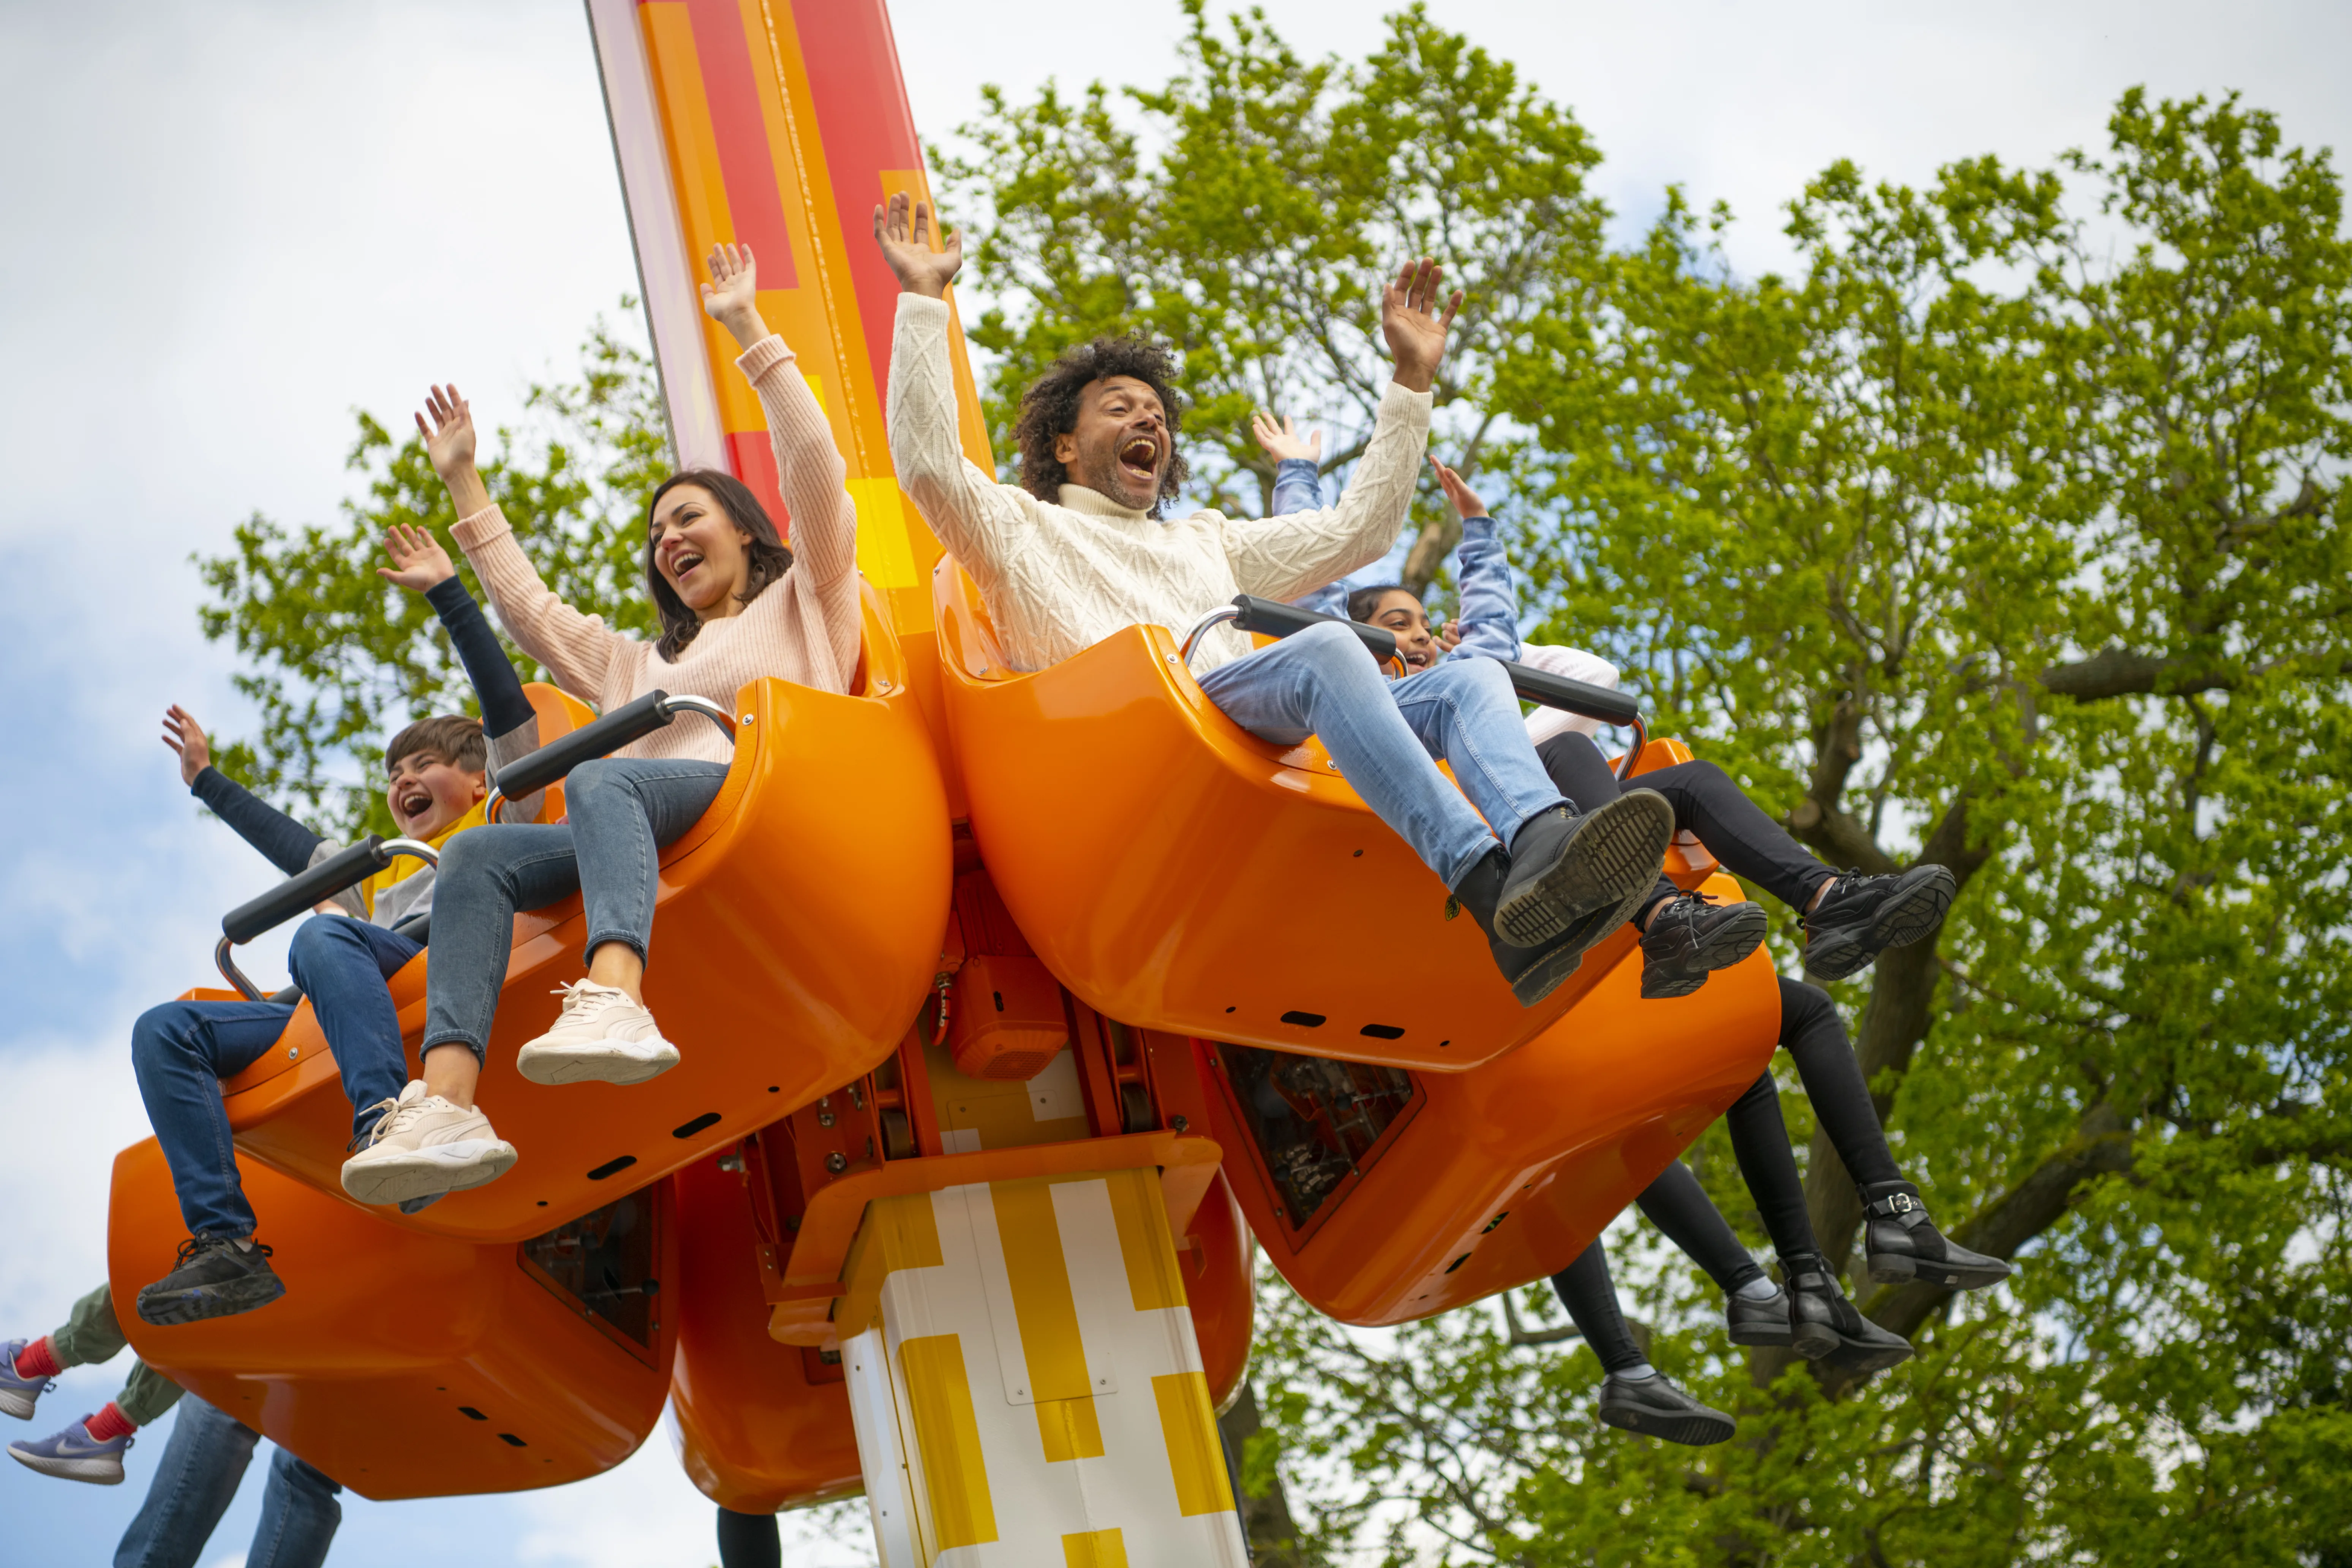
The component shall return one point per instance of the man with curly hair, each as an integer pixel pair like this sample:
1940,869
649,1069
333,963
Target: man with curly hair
1078,549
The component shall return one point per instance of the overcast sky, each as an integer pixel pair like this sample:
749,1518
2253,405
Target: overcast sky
224,227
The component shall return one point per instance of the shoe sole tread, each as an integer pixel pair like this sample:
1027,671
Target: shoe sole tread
1614,855
1692,1428
1895,1269
1729,943
1902,920
549,1066
383,1183
202,1302
98,1472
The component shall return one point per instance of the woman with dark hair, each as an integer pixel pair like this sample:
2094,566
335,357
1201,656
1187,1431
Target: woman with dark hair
735,605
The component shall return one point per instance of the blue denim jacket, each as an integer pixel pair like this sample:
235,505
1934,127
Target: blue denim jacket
1490,620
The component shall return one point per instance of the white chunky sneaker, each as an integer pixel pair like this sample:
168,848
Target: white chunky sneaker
424,1146
601,1037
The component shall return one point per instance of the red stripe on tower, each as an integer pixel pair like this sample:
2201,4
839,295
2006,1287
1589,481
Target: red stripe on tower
745,161
755,465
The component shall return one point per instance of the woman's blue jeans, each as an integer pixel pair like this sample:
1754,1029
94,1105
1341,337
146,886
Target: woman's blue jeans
181,1051
619,813
1382,734
196,1481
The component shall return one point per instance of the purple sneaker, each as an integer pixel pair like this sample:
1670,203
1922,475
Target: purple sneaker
73,1454
17,1394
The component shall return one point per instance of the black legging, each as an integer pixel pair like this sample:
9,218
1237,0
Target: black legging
1733,828
1814,1037
748,1541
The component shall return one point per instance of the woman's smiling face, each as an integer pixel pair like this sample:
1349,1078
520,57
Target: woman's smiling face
700,551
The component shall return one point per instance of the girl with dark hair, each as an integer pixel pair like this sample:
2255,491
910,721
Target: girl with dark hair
735,605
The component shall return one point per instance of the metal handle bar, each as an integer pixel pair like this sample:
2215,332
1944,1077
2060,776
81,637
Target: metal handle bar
1271,617
345,869
631,722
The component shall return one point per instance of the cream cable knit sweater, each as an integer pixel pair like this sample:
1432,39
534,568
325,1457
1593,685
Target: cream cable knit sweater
802,628
1058,579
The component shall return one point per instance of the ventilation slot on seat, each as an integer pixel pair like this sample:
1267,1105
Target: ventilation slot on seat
612,1167
1381,1032
708,1118
1303,1020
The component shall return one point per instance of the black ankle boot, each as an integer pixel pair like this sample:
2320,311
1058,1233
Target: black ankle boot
1824,1325
1758,1319
1564,866
1534,972
1863,916
1690,936
1903,1243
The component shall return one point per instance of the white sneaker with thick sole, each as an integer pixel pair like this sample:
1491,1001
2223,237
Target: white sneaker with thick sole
424,1146
601,1037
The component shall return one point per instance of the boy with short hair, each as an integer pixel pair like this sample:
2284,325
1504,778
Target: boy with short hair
437,781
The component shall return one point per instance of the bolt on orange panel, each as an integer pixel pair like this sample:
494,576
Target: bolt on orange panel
1178,873
404,1364
796,933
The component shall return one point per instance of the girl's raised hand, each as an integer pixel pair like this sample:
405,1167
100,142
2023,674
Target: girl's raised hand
1465,501
732,297
1283,441
186,736
418,561
449,439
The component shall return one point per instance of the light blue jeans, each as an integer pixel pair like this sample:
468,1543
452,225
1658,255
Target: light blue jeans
1382,734
196,1481
619,812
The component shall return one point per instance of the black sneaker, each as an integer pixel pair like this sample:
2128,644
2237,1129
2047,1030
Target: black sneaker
1758,1319
1824,1325
1564,866
1903,1243
1863,916
1656,1408
1693,936
216,1277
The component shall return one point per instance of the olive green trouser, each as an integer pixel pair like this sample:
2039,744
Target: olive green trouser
91,1335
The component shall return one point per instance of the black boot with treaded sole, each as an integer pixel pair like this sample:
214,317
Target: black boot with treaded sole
1824,1326
1861,916
1654,1407
1563,865
1533,973
1693,936
1903,1243
215,1279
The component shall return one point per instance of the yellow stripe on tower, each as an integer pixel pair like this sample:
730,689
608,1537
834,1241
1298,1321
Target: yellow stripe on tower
1145,1242
1094,1549
1039,1278
1194,1458
1070,1429
947,1431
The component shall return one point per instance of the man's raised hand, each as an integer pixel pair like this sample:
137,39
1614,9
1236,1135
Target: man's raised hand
903,229
418,561
1283,442
186,736
1410,321
732,297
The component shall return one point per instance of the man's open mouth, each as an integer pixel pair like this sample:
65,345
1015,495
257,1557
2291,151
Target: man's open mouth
414,803
1141,457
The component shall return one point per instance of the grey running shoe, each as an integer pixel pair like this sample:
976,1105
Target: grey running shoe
216,1277
1655,1408
1863,916
1693,936
18,1394
1564,866
73,1454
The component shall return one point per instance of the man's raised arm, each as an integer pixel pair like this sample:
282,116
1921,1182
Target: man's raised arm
976,518
1281,557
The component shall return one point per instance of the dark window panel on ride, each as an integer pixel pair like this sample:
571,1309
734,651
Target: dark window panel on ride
1312,1118
603,1262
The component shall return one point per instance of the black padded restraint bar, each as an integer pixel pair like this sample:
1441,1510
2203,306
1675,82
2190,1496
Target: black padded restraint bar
1271,617
1549,690
631,721
345,869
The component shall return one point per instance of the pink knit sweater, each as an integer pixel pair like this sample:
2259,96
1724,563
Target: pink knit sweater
802,628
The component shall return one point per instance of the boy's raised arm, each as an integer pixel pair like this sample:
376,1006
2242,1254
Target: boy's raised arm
510,723
283,842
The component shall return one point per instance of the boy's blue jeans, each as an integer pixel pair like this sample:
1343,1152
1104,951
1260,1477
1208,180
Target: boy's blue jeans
1382,734
182,1049
618,813
202,1467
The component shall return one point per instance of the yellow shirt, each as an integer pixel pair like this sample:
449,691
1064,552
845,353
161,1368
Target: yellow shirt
408,865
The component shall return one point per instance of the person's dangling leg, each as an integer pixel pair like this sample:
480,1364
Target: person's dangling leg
622,812
344,967
1635,1396
91,1448
1686,937
436,1140
181,1051
301,1511
1822,1321
1755,1309
192,1486
748,1541
1899,1240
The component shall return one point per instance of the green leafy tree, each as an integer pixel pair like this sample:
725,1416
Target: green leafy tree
336,658
2006,531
